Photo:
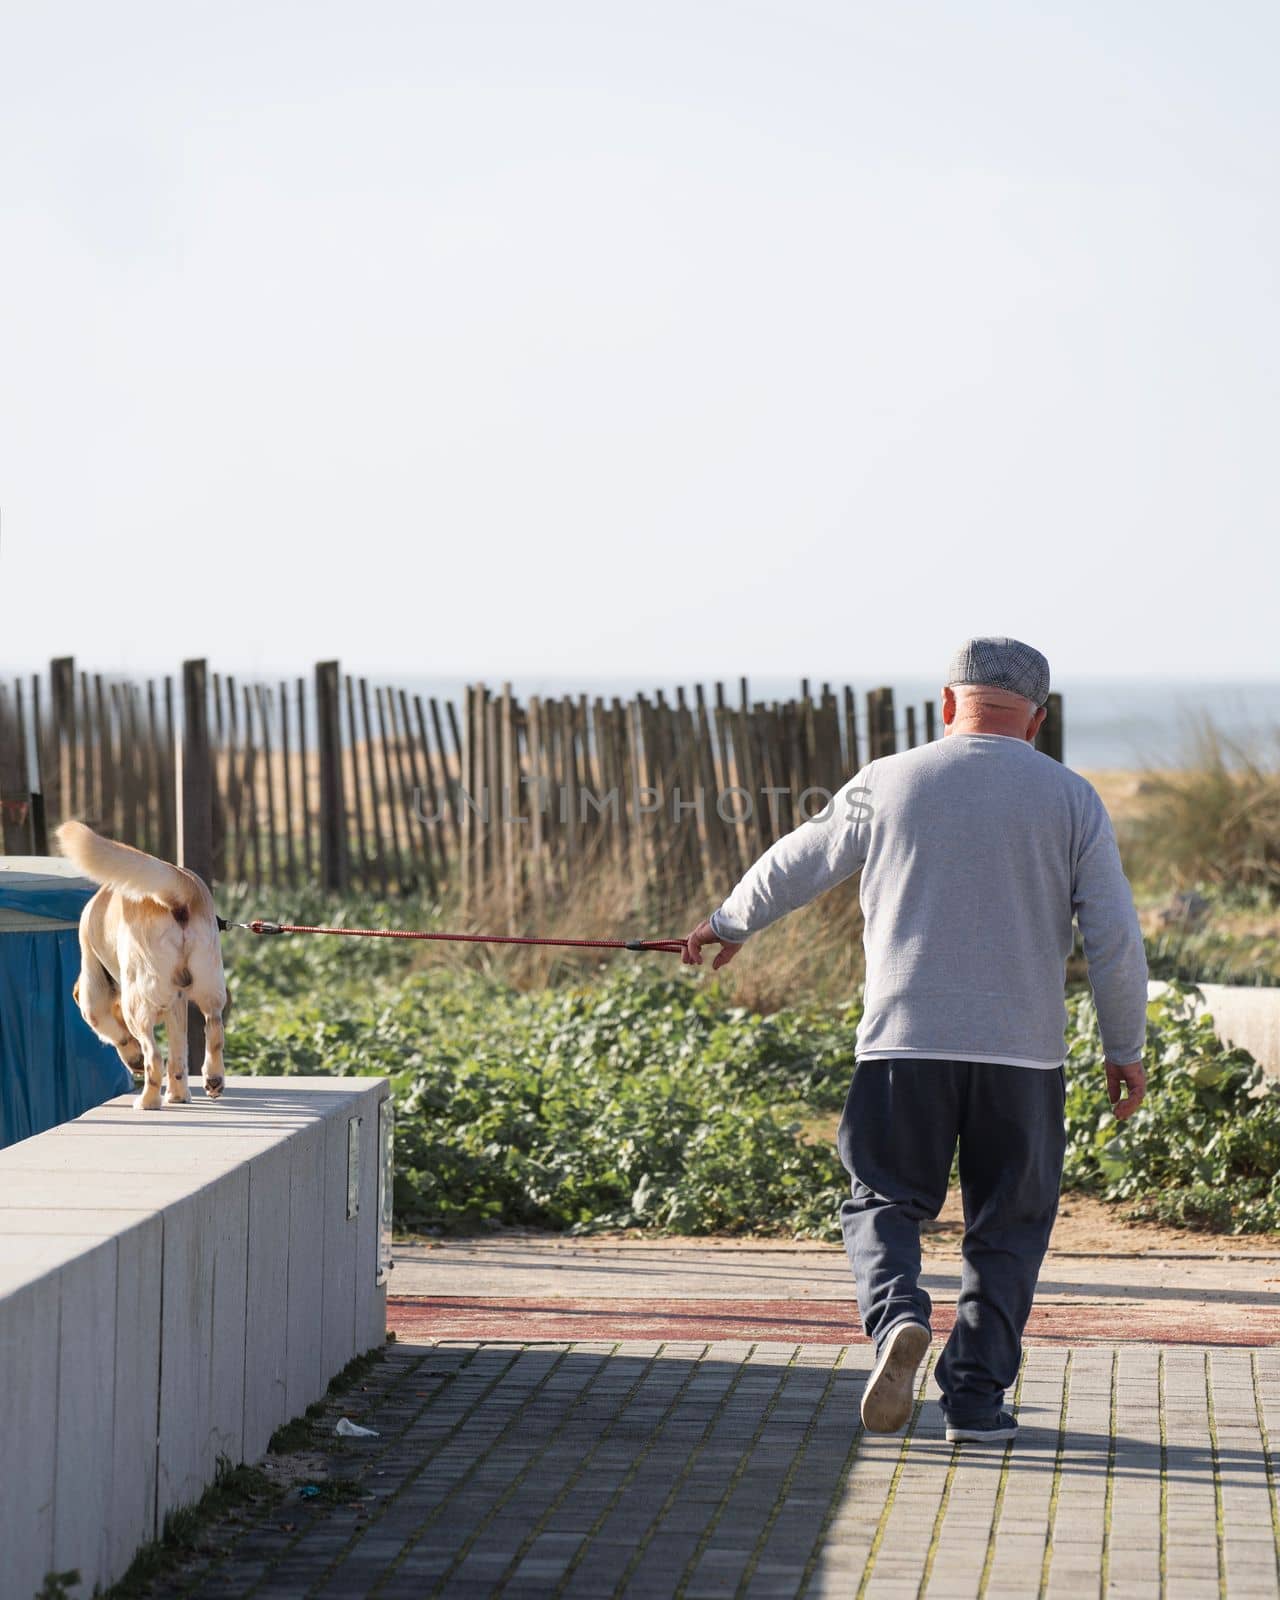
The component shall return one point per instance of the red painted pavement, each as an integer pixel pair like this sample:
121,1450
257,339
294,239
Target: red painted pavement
806,1321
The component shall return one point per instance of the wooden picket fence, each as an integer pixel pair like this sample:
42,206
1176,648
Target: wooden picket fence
503,802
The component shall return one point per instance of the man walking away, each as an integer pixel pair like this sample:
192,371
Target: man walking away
976,853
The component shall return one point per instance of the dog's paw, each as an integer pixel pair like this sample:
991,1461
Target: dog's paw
148,1100
213,1087
178,1094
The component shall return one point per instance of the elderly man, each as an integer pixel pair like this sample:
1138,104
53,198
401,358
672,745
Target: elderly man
976,853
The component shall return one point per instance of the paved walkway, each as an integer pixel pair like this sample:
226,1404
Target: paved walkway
720,1466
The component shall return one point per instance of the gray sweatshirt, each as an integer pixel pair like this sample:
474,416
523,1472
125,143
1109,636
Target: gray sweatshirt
976,852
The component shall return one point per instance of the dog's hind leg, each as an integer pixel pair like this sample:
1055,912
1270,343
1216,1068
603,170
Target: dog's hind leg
144,1030
175,1026
212,1070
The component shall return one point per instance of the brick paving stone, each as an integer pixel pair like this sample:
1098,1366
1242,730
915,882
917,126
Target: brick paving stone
730,1469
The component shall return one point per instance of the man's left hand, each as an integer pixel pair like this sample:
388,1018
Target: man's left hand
704,934
1132,1079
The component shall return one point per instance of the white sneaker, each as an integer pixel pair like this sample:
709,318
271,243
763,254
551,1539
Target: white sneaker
991,1432
890,1391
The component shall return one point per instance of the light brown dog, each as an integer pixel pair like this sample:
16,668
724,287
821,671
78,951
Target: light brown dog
148,944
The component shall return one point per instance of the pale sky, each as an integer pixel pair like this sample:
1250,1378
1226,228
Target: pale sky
668,339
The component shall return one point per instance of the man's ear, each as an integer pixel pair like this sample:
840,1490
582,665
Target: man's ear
1033,727
948,707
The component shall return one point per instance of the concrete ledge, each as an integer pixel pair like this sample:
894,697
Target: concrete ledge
173,1286
1244,1017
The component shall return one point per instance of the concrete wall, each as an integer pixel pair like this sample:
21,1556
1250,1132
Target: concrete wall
173,1286
1245,1017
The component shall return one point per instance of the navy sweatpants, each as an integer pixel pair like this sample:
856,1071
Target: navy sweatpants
902,1120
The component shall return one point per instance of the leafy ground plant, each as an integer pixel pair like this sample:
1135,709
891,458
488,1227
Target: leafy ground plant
1204,1148
642,1101
633,1097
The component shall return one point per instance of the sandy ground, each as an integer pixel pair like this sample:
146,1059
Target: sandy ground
1121,791
1102,1278
1085,1226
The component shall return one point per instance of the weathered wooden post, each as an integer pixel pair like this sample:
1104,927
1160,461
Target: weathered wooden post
194,764
193,804
333,815
58,764
304,782
882,738
851,762
873,724
1049,739
14,788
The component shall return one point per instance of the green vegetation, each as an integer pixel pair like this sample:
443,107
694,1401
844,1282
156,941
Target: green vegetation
186,1530
1204,1149
59,1585
642,1101
305,1432
1234,937
634,1094
638,1099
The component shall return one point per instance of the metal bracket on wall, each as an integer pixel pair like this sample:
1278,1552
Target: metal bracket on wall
353,1166
386,1184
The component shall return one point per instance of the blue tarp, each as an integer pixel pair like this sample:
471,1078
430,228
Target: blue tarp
52,1066
47,893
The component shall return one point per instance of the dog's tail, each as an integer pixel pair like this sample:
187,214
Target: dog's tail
120,866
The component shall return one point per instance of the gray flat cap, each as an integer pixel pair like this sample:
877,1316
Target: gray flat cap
1000,663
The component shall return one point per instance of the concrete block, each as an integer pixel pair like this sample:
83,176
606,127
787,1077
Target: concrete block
24,1256
132,1502
202,1339
267,1300
83,1225
86,1408
304,1382
1247,1017
228,1354
187,1154
370,1296
171,1289
118,1194
184,1462
338,1315
28,1429
1244,1015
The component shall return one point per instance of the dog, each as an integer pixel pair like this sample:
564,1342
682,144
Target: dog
148,944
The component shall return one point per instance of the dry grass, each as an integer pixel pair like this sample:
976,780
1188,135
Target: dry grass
1215,821
814,955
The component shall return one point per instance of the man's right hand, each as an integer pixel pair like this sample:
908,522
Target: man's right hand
704,934
1133,1079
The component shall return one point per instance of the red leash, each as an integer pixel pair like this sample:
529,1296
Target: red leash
672,945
